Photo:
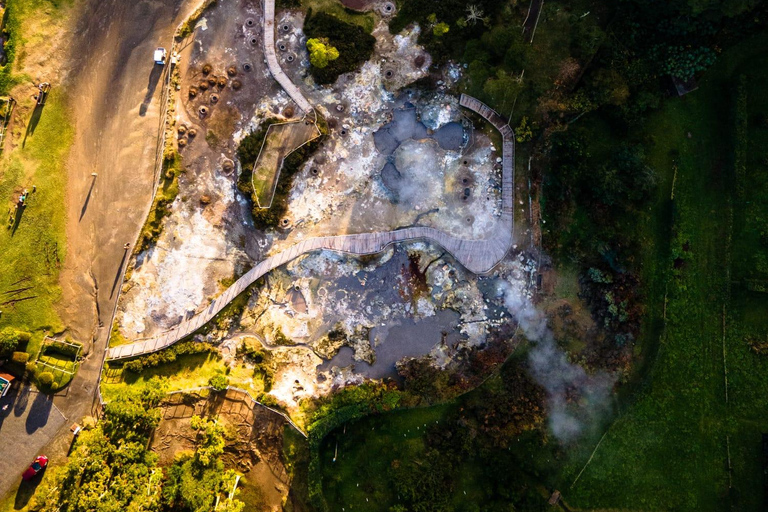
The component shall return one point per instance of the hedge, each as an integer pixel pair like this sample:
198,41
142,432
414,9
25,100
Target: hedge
355,45
20,357
62,349
167,355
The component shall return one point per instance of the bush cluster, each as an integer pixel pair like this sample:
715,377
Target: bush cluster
20,357
11,339
167,355
61,349
248,152
354,45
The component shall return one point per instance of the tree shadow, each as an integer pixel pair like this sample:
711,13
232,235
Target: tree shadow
22,399
9,399
32,125
17,218
119,272
154,79
87,199
38,414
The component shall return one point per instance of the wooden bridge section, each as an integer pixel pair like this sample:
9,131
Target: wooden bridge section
479,256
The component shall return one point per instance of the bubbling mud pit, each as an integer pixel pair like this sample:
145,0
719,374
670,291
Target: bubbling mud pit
394,157
347,319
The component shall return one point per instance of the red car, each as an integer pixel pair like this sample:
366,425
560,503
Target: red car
40,463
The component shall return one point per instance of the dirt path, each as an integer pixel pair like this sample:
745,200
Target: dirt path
114,91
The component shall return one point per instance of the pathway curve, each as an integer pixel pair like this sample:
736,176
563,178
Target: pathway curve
478,256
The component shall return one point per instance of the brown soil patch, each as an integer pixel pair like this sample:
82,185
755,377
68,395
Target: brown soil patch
254,450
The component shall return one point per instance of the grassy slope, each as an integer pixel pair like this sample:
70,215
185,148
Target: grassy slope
188,371
668,450
358,479
37,247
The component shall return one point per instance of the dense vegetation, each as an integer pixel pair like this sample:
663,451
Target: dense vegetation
248,152
657,202
111,468
443,458
352,43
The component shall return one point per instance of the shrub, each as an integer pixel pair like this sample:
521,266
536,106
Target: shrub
167,355
10,339
31,367
45,378
353,44
219,382
61,349
20,357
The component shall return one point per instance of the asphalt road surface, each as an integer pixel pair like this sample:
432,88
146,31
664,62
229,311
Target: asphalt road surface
26,426
114,89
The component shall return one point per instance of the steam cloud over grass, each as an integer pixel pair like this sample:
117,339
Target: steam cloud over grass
576,400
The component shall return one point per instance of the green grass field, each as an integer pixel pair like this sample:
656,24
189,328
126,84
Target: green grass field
33,244
669,448
366,450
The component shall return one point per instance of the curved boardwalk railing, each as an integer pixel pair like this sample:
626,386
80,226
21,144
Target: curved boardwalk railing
478,256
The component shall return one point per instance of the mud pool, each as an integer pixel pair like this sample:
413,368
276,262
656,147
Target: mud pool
406,338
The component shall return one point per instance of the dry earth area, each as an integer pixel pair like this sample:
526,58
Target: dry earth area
254,442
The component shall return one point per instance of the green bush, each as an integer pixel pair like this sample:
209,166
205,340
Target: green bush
10,339
61,349
20,357
167,355
354,44
219,382
31,367
45,378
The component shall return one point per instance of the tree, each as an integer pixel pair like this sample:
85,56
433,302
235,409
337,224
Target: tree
219,382
474,14
321,52
10,339
210,436
440,29
502,91
196,481
110,468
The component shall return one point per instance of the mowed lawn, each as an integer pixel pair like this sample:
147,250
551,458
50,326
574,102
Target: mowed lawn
33,243
672,445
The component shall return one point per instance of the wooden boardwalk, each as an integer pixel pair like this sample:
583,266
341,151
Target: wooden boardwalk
273,65
479,256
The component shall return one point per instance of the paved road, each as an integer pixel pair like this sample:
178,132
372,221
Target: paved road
26,426
113,90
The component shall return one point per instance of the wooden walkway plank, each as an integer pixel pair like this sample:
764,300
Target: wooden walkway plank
479,256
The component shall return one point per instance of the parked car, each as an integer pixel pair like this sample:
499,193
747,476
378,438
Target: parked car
159,56
37,466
